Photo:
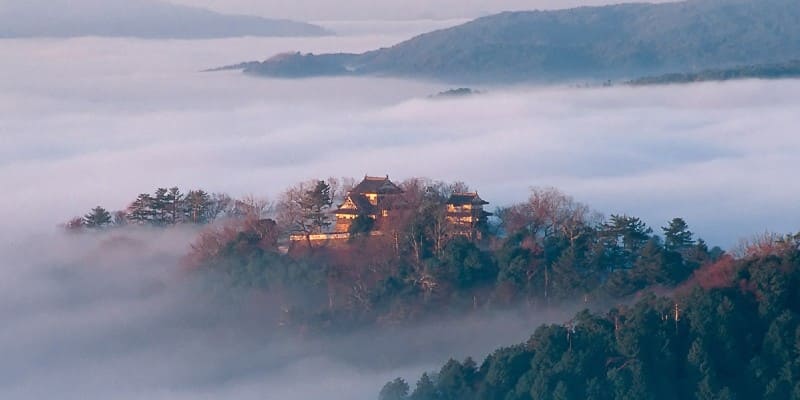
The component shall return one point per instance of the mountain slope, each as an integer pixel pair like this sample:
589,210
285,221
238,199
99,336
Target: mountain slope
135,18
588,42
735,335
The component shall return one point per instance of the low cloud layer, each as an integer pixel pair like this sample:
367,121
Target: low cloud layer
89,317
93,121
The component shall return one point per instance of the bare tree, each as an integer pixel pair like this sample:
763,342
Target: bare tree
251,207
220,205
304,208
74,225
546,212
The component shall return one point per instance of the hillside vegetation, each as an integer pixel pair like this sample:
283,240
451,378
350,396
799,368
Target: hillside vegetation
542,252
733,332
785,70
607,42
729,328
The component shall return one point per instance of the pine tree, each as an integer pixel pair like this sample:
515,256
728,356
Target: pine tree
141,210
315,203
174,206
198,206
394,390
426,389
677,235
98,218
160,206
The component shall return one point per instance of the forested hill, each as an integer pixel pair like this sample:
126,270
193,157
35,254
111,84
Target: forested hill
785,70
417,264
730,328
735,336
608,42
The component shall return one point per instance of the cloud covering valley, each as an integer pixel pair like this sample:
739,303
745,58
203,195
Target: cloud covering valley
96,121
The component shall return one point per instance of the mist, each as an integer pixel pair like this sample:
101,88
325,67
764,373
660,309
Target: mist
113,315
97,121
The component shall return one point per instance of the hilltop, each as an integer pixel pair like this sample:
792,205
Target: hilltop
610,42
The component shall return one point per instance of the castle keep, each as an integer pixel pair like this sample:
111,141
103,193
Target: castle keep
379,199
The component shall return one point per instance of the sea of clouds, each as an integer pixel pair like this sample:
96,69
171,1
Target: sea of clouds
96,121
111,316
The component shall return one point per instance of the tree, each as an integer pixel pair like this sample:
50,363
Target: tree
548,212
120,218
159,205
677,235
174,205
220,205
394,390
98,218
425,389
74,225
315,203
456,380
622,237
198,206
464,264
303,208
361,225
141,210
167,206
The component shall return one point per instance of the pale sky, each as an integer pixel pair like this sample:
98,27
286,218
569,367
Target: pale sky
383,9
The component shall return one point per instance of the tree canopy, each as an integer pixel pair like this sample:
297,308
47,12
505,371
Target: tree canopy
736,339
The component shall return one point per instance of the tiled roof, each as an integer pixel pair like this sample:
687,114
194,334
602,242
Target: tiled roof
380,185
363,206
460,199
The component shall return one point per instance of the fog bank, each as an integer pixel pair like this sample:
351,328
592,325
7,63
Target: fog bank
113,316
94,121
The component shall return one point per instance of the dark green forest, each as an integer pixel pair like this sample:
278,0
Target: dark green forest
732,333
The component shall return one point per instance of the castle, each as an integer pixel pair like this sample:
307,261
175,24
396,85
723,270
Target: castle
465,214
374,197
379,199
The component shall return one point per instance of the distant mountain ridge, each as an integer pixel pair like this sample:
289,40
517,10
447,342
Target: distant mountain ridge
135,18
610,42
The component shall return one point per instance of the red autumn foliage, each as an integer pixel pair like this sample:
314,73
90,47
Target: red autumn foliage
716,275
765,244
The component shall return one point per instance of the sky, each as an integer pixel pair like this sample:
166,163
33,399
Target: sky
384,9
307,10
